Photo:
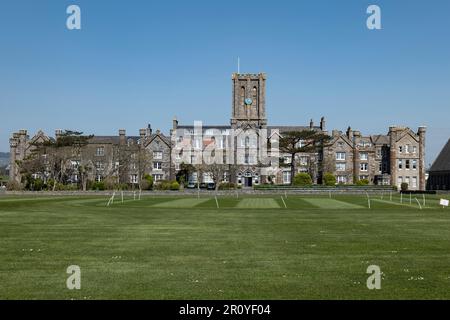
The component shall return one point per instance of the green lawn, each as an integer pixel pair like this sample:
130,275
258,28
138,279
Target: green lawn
248,248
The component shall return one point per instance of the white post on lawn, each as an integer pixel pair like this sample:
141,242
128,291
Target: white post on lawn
134,195
382,194
424,202
139,194
109,202
217,202
285,206
368,199
285,194
121,192
410,198
390,196
418,203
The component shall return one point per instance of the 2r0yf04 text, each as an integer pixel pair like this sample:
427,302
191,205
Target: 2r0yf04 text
238,309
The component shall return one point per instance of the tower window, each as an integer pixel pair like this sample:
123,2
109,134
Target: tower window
242,95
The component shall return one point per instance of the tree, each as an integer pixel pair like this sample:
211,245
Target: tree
186,170
216,171
305,141
143,160
147,182
329,179
302,179
53,157
404,186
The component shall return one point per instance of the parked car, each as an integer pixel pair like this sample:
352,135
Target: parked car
191,185
211,186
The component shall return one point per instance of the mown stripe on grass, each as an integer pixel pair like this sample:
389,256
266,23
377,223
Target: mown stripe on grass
258,203
325,203
180,203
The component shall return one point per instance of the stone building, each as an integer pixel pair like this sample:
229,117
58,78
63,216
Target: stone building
389,159
122,157
384,159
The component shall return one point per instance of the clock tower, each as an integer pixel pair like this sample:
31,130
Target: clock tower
249,101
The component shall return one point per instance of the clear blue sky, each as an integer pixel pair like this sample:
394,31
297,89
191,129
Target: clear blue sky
139,62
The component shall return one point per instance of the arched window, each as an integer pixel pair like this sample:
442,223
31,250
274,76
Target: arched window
255,96
242,96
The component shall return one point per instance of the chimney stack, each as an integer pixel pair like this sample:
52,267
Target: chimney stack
322,124
350,133
149,129
58,133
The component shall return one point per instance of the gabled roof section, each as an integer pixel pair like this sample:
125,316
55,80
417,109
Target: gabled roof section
39,137
161,136
380,139
341,137
409,132
442,162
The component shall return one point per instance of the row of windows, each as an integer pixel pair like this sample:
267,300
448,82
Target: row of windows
407,149
156,177
99,166
412,182
342,166
407,164
100,151
363,166
344,179
342,156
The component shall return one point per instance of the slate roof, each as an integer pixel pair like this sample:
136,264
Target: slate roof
281,128
381,139
442,162
292,128
204,127
109,139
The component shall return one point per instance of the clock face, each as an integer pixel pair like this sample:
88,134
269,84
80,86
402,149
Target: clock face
248,101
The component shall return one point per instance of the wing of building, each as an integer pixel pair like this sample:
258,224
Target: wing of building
392,158
439,174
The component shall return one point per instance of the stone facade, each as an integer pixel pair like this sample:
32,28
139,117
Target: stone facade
122,157
388,159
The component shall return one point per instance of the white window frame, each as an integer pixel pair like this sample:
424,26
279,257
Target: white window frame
341,156
100,151
364,167
364,156
157,155
341,179
157,165
286,177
